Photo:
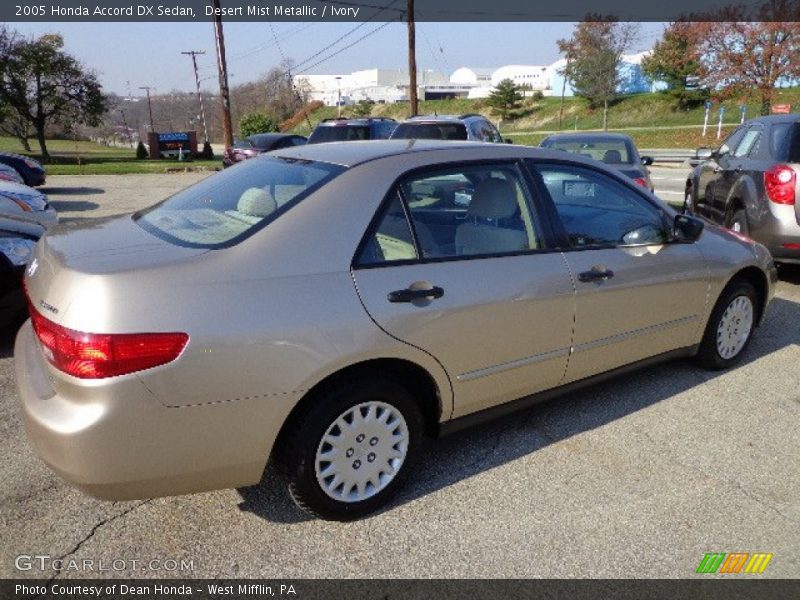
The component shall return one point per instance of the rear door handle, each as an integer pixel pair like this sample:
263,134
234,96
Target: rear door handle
597,273
409,295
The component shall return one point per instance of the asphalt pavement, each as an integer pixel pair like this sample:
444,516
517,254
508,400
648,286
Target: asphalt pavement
635,477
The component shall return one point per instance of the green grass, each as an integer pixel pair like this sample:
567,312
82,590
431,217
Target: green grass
88,158
638,115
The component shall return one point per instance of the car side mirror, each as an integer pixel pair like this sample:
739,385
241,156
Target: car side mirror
686,228
508,140
647,161
704,153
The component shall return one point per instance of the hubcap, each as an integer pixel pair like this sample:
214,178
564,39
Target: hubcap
361,452
687,204
736,226
734,327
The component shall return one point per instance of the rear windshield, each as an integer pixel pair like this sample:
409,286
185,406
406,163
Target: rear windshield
242,144
430,131
229,206
339,133
785,142
612,152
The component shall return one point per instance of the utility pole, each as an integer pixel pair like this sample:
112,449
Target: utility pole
193,54
227,127
412,62
149,105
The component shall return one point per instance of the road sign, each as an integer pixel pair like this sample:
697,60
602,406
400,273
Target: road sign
709,104
781,109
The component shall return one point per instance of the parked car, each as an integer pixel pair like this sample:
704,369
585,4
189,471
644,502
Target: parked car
328,305
472,127
22,202
9,174
17,239
751,184
257,144
349,130
614,149
31,171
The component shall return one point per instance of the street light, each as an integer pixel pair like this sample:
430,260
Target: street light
338,96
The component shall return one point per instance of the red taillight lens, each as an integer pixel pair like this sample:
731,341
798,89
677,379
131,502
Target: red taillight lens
640,181
780,182
96,355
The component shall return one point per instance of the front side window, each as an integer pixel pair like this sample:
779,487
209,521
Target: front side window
748,143
597,211
731,141
231,205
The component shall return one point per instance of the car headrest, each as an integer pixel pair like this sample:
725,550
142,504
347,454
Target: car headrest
612,157
256,202
493,198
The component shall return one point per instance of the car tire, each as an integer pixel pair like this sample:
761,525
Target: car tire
730,327
348,450
738,222
688,206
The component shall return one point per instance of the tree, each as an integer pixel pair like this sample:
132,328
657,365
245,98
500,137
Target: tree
41,84
256,122
363,108
749,58
674,58
675,61
594,54
505,98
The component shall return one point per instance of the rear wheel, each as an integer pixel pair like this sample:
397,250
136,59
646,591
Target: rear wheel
350,449
730,327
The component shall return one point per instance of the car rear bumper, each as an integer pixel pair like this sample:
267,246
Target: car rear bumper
114,440
779,231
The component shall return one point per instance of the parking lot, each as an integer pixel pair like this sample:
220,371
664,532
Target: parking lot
636,477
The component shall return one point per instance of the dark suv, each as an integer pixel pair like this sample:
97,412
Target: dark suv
472,127
751,184
349,130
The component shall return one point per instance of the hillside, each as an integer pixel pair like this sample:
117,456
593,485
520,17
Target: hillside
651,119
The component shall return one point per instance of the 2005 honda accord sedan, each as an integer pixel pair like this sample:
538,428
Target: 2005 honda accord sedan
326,306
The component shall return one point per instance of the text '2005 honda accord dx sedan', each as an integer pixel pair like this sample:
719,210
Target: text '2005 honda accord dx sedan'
327,306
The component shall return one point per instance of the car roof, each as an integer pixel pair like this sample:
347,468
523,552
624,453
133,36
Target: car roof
270,136
350,154
790,118
357,121
596,136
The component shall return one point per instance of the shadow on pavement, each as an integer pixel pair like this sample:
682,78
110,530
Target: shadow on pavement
72,191
73,205
467,453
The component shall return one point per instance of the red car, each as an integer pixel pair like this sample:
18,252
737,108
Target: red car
257,144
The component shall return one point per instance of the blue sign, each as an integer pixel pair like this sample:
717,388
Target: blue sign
708,104
721,110
175,136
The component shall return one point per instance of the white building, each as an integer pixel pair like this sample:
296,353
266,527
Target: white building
378,85
534,77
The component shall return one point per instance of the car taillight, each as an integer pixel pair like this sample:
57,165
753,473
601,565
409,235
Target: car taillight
640,181
780,182
96,355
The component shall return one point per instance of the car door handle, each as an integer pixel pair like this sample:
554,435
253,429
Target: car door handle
409,295
597,273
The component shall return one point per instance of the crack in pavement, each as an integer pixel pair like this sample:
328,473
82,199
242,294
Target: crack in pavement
89,536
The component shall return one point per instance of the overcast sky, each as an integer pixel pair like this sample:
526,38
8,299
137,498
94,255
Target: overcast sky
129,55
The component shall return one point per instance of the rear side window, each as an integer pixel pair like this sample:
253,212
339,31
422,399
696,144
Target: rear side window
231,205
339,133
430,131
785,142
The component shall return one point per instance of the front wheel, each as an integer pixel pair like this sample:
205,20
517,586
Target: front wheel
730,327
348,452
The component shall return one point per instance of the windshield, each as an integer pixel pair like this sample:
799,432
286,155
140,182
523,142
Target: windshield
229,206
339,133
611,152
430,131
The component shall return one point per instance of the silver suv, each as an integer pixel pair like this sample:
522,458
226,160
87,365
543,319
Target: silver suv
471,127
751,184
